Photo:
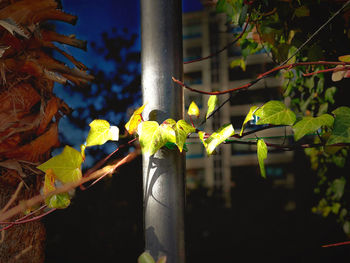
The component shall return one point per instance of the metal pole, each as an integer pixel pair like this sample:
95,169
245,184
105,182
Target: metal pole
163,173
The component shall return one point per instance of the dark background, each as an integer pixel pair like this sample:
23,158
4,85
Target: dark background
104,224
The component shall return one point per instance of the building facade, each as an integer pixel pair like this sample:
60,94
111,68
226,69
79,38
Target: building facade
205,33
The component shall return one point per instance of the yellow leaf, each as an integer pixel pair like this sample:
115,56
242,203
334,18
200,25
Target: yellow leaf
49,183
135,119
100,132
59,201
66,165
193,110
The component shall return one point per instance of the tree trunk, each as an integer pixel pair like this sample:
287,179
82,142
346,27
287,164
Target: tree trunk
29,112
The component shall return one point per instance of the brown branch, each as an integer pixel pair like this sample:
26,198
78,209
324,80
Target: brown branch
109,169
326,70
261,76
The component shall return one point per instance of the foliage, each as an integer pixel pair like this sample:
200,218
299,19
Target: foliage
284,30
66,167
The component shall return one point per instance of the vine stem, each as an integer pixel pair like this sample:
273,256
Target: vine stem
337,244
326,70
109,169
261,76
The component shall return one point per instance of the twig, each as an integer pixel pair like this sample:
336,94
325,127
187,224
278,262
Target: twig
337,244
260,77
109,169
13,197
23,252
326,70
315,33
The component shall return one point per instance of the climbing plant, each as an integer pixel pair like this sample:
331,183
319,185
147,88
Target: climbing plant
274,27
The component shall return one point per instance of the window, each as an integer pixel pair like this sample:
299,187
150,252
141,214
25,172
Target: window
193,77
255,96
192,31
251,72
193,53
195,150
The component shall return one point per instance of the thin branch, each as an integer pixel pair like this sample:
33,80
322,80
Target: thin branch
13,197
224,48
260,77
326,70
109,169
315,33
337,244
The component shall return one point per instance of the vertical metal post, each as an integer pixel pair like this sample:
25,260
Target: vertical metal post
163,173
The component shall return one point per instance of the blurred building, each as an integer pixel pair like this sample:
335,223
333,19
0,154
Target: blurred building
204,33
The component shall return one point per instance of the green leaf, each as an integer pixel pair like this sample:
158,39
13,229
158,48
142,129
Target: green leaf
145,257
302,11
341,127
135,119
262,155
276,113
311,124
248,118
154,136
58,201
212,103
182,129
201,136
329,94
100,132
243,15
221,6
337,187
146,131
240,62
218,137
66,165
193,109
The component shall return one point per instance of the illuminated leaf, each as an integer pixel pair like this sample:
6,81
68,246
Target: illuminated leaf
193,109
66,165
100,132
145,257
202,138
58,201
341,127
338,75
154,136
240,62
146,129
49,182
248,118
212,103
135,119
311,124
82,150
276,113
181,131
262,155
345,58
218,137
